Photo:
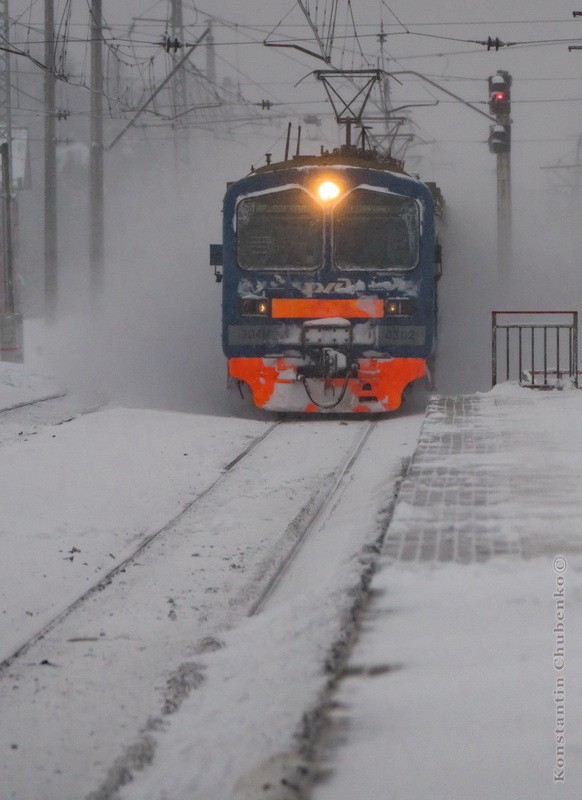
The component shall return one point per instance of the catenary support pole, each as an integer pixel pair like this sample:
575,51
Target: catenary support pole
11,348
96,223
8,254
50,168
6,277
179,92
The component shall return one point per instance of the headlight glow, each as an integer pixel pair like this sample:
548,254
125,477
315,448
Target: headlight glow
255,307
399,307
328,190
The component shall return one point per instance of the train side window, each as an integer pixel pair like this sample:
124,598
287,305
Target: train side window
376,231
279,230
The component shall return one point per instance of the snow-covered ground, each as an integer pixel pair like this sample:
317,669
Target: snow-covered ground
466,681
452,691
164,683
77,497
18,385
104,688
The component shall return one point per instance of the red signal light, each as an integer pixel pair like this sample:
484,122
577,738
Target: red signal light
499,101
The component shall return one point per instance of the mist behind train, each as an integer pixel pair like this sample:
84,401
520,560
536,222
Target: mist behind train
153,338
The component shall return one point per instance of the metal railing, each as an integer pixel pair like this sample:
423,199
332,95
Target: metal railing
537,348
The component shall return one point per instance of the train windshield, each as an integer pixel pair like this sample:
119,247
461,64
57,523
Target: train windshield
280,230
376,231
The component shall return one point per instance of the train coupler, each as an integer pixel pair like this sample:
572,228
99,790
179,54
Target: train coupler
326,363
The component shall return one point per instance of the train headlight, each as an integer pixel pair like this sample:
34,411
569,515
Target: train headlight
328,190
255,307
399,308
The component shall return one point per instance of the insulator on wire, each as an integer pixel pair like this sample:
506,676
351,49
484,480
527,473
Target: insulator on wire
494,43
171,44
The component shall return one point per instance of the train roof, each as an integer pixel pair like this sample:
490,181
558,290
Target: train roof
350,156
346,156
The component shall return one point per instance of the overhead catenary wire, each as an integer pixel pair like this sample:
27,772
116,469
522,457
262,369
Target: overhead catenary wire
164,83
351,10
385,4
131,54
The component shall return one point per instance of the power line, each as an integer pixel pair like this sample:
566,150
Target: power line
385,4
262,28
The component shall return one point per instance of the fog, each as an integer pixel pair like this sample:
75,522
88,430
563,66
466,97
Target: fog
154,337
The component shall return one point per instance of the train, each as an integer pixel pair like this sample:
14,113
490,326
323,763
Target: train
329,267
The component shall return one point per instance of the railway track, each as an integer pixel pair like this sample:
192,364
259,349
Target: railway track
307,517
332,490
28,418
190,602
35,402
106,579
306,606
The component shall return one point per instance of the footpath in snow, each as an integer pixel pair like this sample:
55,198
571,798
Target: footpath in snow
466,681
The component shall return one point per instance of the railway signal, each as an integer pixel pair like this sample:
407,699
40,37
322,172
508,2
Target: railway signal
500,138
500,93
500,107
500,144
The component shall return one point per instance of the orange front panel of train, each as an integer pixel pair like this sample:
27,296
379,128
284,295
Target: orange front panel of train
315,308
377,388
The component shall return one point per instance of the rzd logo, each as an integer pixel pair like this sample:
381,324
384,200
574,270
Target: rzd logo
341,285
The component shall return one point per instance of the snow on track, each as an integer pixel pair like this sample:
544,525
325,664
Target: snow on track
78,499
245,726
27,419
74,702
20,387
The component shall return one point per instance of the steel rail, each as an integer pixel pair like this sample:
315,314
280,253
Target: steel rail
33,402
143,545
336,482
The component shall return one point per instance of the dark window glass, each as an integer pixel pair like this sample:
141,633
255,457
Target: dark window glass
280,230
375,231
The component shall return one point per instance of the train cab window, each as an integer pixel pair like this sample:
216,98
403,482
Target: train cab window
375,231
280,230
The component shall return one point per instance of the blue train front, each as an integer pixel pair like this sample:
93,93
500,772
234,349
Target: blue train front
329,284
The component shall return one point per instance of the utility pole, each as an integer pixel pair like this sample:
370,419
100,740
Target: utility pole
179,82
385,82
50,168
179,91
10,319
7,228
5,105
96,153
210,55
500,143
